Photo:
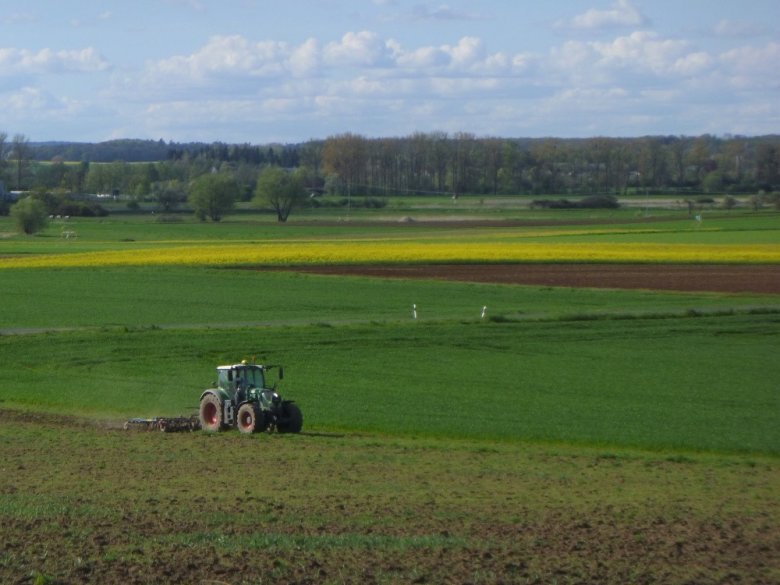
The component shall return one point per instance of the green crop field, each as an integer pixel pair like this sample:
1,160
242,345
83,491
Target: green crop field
149,296
685,383
570,435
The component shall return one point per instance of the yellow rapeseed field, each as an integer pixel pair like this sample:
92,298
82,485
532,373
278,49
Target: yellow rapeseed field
368,252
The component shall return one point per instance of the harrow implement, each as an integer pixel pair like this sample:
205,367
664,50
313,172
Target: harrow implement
178,424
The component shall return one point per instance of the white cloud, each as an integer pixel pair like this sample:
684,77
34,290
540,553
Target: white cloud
280,105
467,52
363,48
591,99
642,49
640,53
572,55
752,66
362,81
365,75
29,106
305,59
754,59
224,56
370,86
50,61
622,14
449,86
27,99
245,67
422,58
468,57
330,103
692,64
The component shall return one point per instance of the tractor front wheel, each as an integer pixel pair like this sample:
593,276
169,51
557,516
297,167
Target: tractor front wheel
211,414
250,419
291,420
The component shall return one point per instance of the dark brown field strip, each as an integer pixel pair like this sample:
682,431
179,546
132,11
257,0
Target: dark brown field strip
677,277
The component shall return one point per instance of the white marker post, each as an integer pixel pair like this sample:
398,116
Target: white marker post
414,311
484,310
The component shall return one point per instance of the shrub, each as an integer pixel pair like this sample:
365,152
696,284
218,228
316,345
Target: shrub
374,203
599,202
81,209
29,215
357,202
591,202
552,203
213,195
280,190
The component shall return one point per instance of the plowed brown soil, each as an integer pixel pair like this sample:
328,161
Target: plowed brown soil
83,503
715,278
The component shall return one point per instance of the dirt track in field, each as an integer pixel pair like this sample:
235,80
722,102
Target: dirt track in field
698,277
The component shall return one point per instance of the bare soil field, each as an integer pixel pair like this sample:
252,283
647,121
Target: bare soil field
82,502
695,277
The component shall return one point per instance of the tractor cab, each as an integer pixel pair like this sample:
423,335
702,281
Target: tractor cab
240,377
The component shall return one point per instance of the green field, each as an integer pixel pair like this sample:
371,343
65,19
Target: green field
683,383
572,435
646,369
147,296
124,232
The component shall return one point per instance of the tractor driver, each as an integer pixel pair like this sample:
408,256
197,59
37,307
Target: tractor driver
242,385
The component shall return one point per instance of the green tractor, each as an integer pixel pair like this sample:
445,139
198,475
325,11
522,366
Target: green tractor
240,398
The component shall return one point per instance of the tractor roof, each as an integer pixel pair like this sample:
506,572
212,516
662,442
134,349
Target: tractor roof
240,366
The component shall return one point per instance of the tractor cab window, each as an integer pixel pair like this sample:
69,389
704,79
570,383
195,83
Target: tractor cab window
225,377
250,377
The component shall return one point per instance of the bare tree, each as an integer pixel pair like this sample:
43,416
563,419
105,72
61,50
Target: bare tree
20,154
3,152
345,156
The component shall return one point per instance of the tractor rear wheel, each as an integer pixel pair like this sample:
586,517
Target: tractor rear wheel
211,414
250,419
291,420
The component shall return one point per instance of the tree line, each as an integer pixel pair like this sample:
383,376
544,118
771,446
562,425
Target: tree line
62,174
134,150
200,178
463,163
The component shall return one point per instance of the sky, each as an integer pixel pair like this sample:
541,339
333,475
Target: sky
287,71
